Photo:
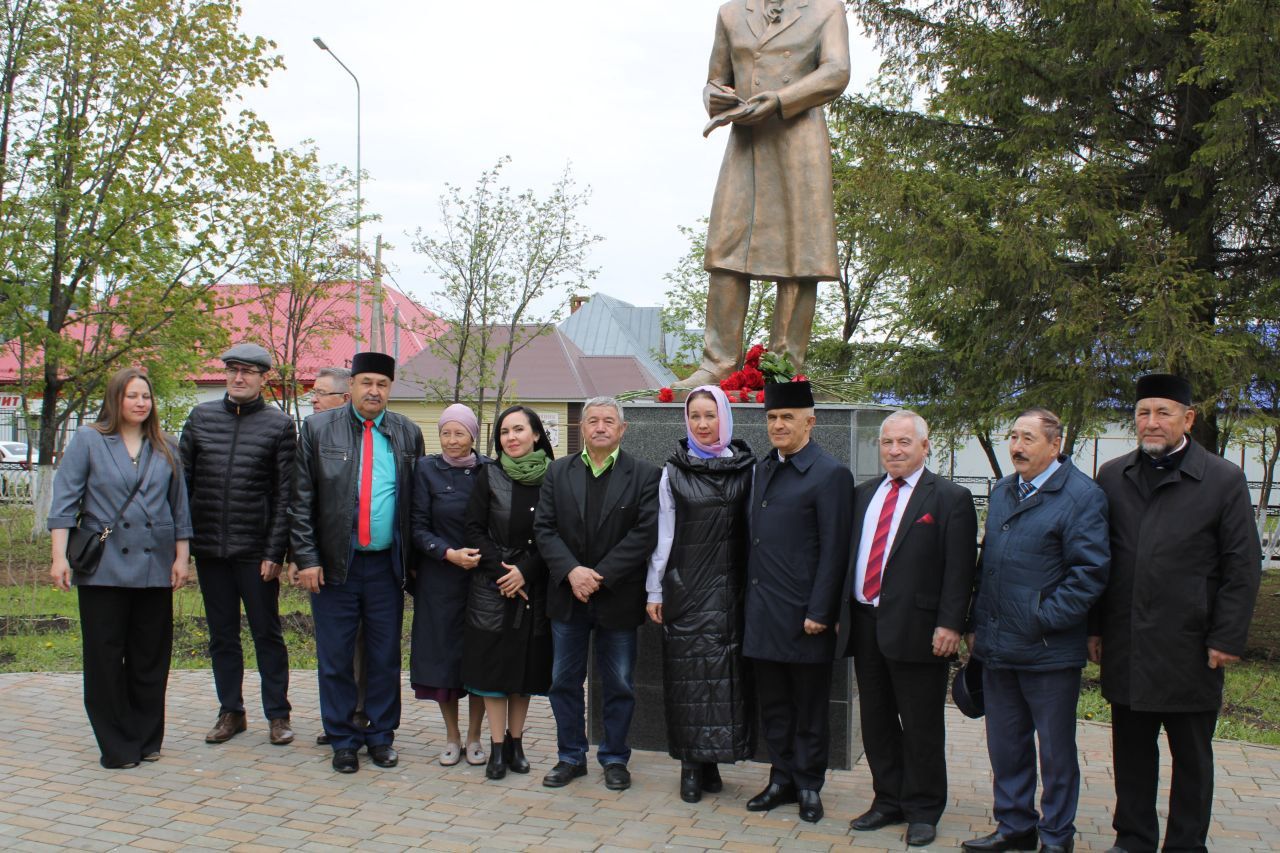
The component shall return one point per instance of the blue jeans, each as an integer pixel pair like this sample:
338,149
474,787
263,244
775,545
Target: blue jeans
616,661
371,595
1025,708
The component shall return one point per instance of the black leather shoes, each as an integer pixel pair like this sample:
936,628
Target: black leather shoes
562,774
771,797
346,760
1028,840
617,777
691,783
875,819
513,755
711,778
810,805
384,755
1058,848
497,766
920,834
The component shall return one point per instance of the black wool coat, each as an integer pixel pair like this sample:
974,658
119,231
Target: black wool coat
801,512
437,522
1185,569
928,571
619,546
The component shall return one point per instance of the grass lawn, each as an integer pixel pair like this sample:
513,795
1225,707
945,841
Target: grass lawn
39,630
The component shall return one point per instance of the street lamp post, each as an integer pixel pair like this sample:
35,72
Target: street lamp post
359,248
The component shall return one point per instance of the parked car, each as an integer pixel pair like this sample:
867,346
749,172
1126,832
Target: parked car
14,453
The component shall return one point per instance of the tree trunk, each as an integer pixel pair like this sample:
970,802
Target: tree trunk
47,440
1264,497
988,448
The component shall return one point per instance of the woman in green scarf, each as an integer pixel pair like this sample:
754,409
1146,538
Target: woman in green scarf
507,640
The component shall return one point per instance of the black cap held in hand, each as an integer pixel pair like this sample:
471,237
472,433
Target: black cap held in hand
373,362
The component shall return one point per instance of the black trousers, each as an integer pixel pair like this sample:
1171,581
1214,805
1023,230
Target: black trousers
224,585
1135,753
127,635
796,721
903,729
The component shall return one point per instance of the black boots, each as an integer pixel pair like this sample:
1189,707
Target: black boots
513,754
697,777
497,766
690,781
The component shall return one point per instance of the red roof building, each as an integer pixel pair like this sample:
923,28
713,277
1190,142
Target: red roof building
261,313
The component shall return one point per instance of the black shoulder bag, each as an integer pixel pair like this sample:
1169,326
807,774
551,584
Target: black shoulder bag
84,546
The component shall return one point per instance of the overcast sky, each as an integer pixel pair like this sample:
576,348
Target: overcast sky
614,89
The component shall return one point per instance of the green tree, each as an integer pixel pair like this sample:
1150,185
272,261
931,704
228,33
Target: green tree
122,167
1075,192
305,263
508,263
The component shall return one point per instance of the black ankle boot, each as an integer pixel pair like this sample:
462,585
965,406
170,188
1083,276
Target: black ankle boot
513,754
711,778
690,781
497,766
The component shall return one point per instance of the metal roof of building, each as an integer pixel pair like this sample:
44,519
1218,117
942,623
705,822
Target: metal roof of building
605,325
550,366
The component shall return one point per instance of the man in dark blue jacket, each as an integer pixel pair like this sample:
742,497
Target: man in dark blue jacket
1045,562
801,512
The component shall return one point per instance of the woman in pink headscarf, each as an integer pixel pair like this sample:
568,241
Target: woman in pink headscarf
696,584
441,489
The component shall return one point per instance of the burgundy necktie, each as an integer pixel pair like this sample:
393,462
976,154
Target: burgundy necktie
875,560
364,534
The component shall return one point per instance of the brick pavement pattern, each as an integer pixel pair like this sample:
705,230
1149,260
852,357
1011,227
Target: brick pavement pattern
249,795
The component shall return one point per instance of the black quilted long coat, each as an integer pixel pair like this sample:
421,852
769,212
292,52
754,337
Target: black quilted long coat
710,703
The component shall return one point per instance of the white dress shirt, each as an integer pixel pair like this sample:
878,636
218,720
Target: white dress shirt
869,523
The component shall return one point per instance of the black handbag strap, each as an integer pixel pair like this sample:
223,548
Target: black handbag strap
132,494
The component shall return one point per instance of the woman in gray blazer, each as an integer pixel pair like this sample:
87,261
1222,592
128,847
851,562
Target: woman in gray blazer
126,606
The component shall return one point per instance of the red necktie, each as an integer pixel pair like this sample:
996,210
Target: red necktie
363,533
875,560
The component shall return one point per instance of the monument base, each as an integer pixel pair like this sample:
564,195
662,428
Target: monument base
850,434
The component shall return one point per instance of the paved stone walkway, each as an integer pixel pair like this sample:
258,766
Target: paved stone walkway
248,795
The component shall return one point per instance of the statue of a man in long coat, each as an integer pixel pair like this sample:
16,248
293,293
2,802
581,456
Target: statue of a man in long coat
774,65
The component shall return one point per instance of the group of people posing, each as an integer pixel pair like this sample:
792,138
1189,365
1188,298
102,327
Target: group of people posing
761,570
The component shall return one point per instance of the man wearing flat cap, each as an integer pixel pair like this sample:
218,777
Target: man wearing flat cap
351,542
237,454
801,512
1185,569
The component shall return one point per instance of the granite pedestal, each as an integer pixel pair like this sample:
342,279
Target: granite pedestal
850,434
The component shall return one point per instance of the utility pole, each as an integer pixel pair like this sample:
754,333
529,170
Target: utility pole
378,337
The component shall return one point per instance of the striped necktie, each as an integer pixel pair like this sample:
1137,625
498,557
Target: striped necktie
1024,490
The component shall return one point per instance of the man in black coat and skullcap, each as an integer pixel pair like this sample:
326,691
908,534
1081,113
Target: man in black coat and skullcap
1185,569
801,512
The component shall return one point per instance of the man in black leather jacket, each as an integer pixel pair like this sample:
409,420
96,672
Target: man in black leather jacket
237,454
350,537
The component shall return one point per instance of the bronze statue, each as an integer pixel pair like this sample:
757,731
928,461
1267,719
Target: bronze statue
774,65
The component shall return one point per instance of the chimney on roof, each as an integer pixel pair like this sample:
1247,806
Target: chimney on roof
576,302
